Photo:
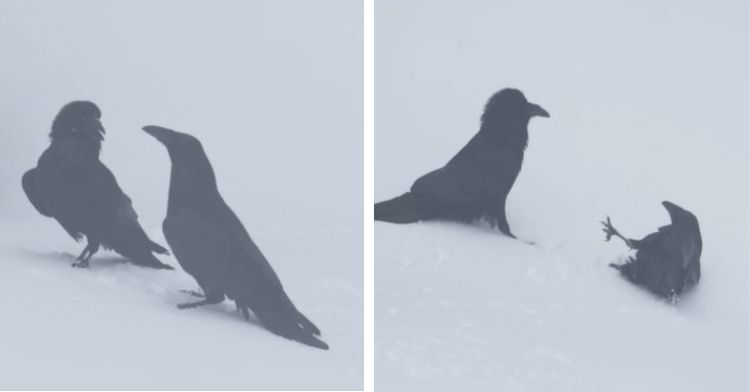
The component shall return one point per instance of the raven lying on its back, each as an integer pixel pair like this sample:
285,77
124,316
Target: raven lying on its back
211,244
475,183
666,262
71,185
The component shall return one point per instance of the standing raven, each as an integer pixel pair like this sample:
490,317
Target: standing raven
73,186
667,262
474,184
211,244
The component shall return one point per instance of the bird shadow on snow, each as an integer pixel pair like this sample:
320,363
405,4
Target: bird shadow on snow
110,261
218,311
96,261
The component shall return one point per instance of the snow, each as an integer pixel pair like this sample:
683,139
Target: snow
273,90
648,102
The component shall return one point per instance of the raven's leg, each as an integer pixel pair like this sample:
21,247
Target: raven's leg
84,253
83,259
611,231
245,312
502,225
209,300
194,293
500,219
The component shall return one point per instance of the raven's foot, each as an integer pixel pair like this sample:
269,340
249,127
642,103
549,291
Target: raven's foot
243,310
509,234
610,231
81,264
85,256
194,293
207,301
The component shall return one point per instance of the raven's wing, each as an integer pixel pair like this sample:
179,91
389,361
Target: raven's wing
484,175
208,246
273,306
110,198
251,251
116,216
680,244
33,193
215,248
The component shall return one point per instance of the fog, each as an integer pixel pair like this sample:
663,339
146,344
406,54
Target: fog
273,89
648,102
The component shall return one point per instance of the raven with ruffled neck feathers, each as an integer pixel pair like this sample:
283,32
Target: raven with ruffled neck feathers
475,183
73,186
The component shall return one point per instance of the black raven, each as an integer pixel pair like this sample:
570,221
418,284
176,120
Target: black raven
73,186
213,246
474,184
667,262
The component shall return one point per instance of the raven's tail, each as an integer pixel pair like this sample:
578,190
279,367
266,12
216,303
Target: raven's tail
285,320
406,208
149,260
158,248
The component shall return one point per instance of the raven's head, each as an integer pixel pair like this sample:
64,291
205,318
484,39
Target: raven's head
678,214
80,119
509,106
177,143
192,174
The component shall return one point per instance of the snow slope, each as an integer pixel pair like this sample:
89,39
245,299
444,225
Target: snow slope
648,103
273,90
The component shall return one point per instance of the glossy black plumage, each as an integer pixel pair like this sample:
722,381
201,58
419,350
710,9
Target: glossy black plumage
475,183
73,186
212,245
666,262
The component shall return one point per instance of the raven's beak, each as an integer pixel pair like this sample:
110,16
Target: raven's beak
97,125
535,110
161,134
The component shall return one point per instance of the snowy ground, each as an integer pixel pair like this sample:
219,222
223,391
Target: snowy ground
116,325
639,115
273,90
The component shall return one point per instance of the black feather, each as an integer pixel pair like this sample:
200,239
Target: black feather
212,245
667,262
73,186
475,183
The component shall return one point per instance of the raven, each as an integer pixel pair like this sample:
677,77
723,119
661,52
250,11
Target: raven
667,262
73,186
212,245
475,183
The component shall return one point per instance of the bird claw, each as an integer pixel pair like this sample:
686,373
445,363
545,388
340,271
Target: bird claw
608,229
194,293
80,264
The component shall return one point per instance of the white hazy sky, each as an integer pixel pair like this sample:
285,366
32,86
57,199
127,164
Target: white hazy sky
606,71
273,88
